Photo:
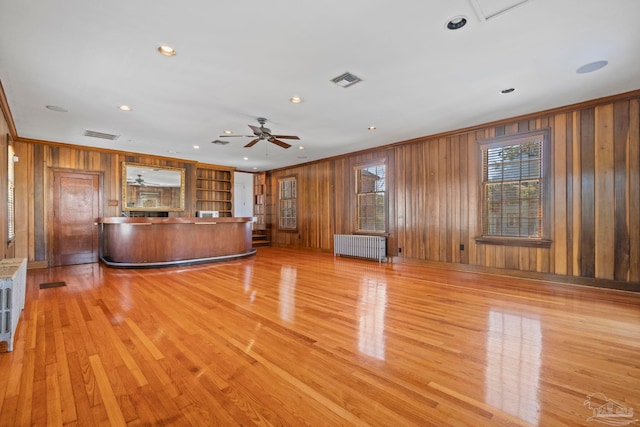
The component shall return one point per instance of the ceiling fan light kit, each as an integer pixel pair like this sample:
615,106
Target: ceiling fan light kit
262,133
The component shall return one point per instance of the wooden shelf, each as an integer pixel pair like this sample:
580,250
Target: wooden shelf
214,191
259,201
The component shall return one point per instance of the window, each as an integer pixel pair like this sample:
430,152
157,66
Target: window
11,217
371,199
513,187
288,200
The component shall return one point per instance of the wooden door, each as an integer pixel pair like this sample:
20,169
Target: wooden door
76,206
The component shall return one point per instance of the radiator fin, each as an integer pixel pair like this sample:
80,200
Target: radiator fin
369,247
13,280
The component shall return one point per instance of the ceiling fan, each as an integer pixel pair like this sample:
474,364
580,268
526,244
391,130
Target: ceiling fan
140,181
260,133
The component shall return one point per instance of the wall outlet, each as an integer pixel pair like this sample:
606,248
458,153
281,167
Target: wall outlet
462,247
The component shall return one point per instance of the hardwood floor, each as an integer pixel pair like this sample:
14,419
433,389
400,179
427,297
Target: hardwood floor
300,338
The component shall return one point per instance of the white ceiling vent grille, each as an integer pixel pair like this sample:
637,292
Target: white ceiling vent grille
346,80
101,135
488,9
220,142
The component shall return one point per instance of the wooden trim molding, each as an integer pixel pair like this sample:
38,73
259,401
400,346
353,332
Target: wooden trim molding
547,277
514,241
34,265
6,112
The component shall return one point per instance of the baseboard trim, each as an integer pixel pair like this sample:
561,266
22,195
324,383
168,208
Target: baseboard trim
547,277
32,265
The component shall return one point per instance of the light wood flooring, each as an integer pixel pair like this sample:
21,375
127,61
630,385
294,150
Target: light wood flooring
302,338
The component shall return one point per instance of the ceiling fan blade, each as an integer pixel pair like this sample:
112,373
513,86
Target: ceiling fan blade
279,143
286,136
236,136
252,143
256,130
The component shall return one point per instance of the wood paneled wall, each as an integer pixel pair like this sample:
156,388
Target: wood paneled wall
434,196
433,190
38,160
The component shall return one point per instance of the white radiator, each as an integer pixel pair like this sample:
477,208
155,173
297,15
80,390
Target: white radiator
372,247
13,286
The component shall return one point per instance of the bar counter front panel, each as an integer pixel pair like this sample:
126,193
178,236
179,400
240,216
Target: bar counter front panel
157,242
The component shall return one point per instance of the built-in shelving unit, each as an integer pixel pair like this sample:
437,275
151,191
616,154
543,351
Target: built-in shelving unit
260,233
214,190
259,202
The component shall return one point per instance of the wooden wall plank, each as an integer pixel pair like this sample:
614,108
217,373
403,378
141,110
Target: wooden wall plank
568,171
523,262
576,185
464,203
587,254
392,243
511,257
634,191
621,183
454,193
400,201
39,205
559,159
431,234
474,198
442,202
604,193
23,211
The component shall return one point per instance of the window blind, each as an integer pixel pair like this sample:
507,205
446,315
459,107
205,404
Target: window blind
370,199
512,184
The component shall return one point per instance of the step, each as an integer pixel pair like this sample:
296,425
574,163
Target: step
259,243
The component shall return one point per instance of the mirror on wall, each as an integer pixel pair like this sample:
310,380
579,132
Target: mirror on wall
152,188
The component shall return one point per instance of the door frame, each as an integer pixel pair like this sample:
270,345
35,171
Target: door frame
52,171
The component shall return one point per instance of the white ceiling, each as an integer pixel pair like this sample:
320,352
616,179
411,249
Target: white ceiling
239,60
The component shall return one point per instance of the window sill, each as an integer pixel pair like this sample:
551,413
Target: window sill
288,230
371,233
514,241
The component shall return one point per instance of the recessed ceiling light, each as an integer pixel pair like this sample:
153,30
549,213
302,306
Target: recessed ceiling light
301,148
227,132
56,109
254,168
245,158
372,128
197,147
507,90
172,152
166,50
456,22
125,108
295,100
591,67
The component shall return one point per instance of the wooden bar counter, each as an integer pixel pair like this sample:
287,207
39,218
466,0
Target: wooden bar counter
163,242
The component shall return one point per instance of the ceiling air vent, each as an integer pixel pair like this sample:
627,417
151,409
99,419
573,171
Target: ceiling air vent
220,142
346,80
94,134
